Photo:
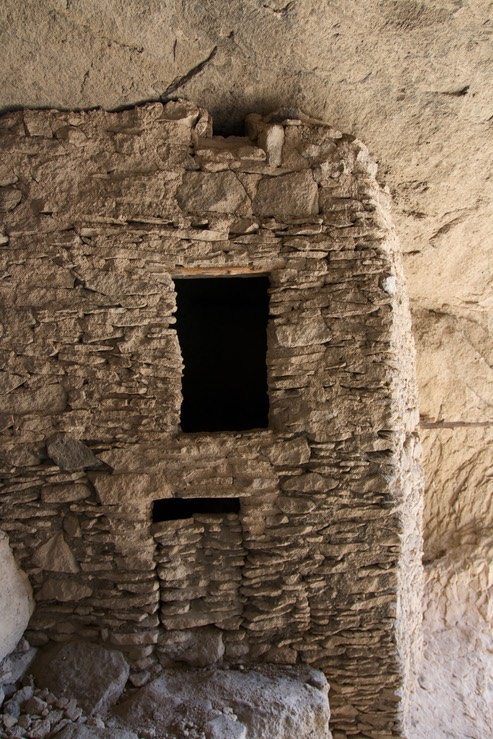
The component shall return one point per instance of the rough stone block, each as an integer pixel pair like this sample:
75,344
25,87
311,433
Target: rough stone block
287,196
218,192
71,454
197,648
55,555
91,674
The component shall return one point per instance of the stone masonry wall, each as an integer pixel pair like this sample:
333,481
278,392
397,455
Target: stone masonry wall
100,211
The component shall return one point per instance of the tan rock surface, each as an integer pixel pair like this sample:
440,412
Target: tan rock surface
452,514
453,697
412,79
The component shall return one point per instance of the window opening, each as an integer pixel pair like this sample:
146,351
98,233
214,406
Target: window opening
222,330
174,509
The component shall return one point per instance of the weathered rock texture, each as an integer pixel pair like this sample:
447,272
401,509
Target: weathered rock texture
412,78
274,702
31,712
322,565
15,666
279,702
454,694
16,601
93,675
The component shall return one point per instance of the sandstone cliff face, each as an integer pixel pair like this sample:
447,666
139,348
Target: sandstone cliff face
411,79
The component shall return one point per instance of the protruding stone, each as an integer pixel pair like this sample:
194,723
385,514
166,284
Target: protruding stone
271,139
134,489
68,493
56,556
303,332
46,400
64,590
71,454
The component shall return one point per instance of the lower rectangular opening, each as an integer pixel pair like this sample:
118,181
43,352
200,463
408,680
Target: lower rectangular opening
173,509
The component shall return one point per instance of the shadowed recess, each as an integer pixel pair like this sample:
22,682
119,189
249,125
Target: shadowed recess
174,509
222,330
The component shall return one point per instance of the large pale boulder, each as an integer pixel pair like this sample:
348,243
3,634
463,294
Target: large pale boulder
16,601
275,702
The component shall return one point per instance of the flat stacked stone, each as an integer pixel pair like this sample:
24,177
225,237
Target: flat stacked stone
322,564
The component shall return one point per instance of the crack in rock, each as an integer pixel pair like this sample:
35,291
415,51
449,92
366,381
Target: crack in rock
279,11
183,79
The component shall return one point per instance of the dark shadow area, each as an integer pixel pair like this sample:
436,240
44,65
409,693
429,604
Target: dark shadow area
174,509
222,330
231,129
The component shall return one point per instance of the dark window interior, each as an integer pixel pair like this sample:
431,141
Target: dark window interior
222,330
173,509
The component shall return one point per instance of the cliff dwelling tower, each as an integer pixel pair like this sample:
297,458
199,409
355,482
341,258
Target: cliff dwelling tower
273,510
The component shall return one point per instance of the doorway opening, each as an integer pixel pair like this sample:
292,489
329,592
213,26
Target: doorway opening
222,331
